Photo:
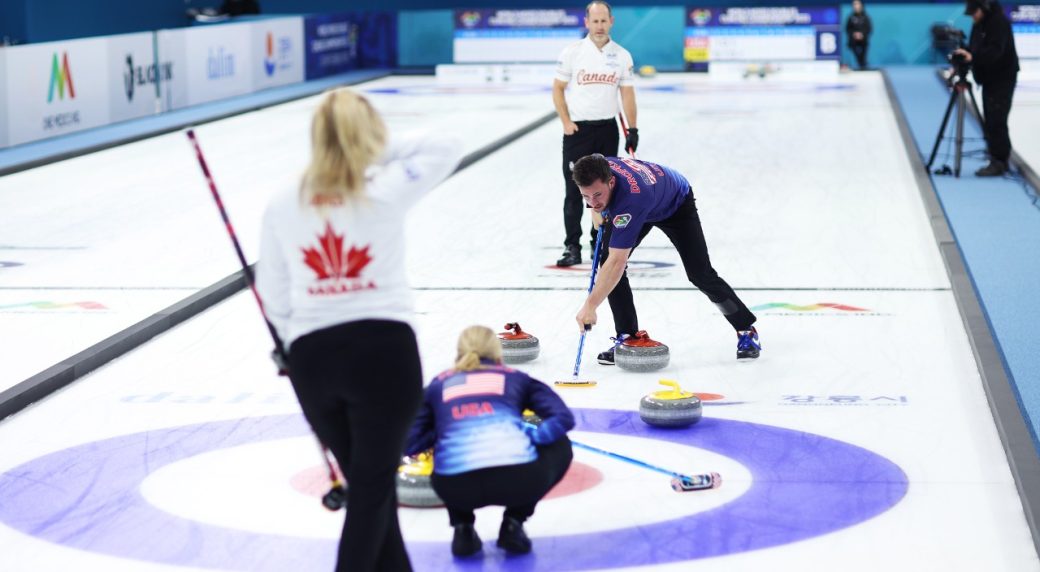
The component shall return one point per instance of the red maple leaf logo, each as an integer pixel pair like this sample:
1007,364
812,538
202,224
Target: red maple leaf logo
330,261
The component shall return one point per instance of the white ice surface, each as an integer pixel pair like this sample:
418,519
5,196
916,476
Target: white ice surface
792,216
135,226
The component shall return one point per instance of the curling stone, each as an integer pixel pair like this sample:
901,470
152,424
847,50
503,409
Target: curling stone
640,353
647,71
413,482
517,345
670,408
531,417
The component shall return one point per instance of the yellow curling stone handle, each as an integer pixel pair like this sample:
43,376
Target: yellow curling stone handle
675,392
419,465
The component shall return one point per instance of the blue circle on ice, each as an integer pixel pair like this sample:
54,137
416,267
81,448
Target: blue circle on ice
87,497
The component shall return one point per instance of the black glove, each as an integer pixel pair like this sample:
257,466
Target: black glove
281,361
632,140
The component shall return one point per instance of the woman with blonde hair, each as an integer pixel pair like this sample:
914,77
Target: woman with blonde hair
483,452
332,277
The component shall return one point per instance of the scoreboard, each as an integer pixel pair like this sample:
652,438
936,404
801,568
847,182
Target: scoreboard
761,34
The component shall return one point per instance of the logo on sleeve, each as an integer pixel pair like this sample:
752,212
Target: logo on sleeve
411,171
622,220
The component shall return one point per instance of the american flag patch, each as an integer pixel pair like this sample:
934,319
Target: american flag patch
474,384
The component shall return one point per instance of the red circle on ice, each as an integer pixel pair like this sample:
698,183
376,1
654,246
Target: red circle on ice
314,481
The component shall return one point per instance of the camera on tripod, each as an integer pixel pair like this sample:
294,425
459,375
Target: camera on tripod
959,88
960,63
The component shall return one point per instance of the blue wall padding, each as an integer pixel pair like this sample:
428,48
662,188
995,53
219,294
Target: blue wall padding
49,20
12,21
901,29
902,32
997,228
424,37
653,35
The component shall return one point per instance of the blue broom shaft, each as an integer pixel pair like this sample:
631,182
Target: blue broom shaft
592,282
613,455
636,462
595,258
581,347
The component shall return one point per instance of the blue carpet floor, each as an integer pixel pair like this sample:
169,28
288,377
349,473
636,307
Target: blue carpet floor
997,228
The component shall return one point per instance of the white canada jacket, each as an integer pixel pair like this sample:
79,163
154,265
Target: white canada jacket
320,268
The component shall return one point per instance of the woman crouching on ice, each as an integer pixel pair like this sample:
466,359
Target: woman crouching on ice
484,453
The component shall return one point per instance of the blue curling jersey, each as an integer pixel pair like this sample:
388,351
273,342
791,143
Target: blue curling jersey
644,192
473,419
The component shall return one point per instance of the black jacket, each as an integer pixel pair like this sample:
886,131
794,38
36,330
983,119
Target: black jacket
858,23
992,47
240,7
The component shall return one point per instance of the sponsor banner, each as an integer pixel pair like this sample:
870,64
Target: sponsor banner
172,47
477,21
333,44
3,98
1023,14
761,34
814,310
134,76
845,400
378,44
1025,24
277,52
25,307
338,43
217,61
519,36
56,88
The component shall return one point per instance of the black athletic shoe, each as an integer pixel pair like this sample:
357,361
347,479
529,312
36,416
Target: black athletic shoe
512,538
571,257
748,346
466,541
607,357
994,169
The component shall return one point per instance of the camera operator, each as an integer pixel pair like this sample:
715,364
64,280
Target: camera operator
994,61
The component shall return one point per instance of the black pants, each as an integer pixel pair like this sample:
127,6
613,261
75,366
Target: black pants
860,51
360,385
996,105
684,230
516,487
599,136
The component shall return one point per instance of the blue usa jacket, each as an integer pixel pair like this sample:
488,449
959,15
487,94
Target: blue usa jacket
644,193
473,419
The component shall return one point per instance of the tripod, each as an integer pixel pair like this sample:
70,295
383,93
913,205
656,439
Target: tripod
959,87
